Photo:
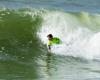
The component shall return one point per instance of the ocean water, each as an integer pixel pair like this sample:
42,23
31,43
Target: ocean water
24,26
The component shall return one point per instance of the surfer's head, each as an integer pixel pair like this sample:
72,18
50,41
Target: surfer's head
50,36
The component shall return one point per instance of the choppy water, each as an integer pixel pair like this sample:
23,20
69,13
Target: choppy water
24,26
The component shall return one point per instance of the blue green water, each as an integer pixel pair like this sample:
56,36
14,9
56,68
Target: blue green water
66,5
24,26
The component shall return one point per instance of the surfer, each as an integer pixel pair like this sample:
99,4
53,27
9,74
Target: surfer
52,41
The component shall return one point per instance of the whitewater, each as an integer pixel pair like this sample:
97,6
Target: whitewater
78,39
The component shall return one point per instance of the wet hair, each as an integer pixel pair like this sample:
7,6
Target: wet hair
50,35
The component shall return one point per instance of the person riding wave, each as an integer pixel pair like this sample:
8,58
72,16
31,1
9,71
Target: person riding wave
52,41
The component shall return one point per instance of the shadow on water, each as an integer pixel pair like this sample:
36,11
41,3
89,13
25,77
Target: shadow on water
48,63
50,66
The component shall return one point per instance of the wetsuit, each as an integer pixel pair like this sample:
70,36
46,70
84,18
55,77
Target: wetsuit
54,41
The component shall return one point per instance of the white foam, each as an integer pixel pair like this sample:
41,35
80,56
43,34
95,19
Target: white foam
94,45
77,41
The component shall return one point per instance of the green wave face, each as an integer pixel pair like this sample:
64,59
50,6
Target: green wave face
17,31
19,43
